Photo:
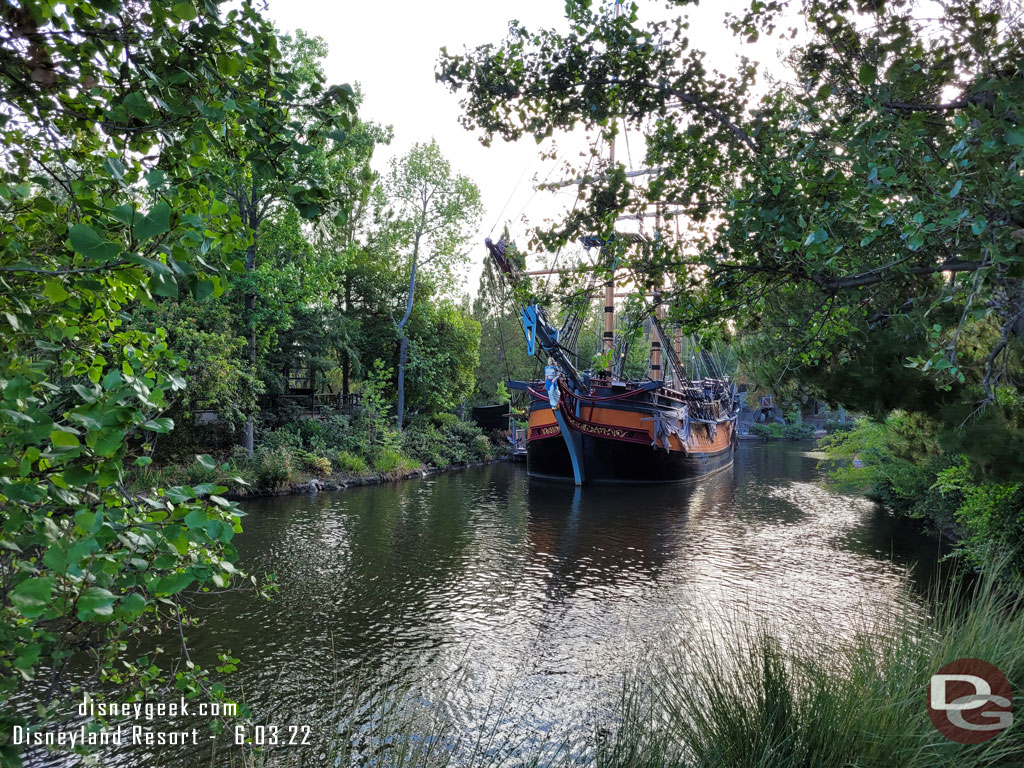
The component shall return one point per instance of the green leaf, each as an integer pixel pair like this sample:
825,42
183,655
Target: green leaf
28,657
95,601
32,596
229,65
155,178
867,74
206,461
87,242
77,476
1014,136
55,292
109,442
179,494
171,585
131,606
154,223
114,167
56,559
956,189
84,392
205,489
204,289
124,213
62,439
184,11
163,425
164,285
26,492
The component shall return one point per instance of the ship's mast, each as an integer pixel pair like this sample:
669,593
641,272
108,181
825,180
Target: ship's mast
656,370
609,295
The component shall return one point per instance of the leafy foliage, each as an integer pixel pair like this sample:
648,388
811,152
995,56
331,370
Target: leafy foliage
443,440
861,225
113,115
903,465
433,209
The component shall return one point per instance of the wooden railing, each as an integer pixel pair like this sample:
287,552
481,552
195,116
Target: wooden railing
314,402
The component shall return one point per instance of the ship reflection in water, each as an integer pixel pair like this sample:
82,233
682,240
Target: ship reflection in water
483,589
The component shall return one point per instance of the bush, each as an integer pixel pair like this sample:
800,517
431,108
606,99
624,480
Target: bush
350,463
766,431
443,439
391,459
833,425
286,436
310,462
782,431
273,468
426,443
798,431
483,447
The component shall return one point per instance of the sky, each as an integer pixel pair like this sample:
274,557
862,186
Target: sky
390,47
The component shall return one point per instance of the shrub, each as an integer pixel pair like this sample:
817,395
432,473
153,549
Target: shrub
764,431
482,446
286,436
273,468
426,443
833,425
797,431
351,463
391,459
443,439
310,462
803,704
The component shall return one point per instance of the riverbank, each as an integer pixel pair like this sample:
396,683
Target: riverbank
314,455
341,482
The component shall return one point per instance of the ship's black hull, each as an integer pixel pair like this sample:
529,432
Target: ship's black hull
615,462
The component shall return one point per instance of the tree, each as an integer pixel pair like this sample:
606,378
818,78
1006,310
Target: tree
110,112
433,211
862,224
261,173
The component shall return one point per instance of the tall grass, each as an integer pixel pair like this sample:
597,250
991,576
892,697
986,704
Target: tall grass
738,697
749,702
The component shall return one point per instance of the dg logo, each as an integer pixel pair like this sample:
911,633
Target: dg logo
969,701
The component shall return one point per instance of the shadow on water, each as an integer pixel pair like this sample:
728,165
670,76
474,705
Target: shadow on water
501,583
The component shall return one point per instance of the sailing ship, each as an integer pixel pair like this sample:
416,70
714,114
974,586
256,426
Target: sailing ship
598,427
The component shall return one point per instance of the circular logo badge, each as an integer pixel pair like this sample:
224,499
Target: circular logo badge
969,701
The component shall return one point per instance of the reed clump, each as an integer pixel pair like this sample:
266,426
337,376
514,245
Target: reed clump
751,702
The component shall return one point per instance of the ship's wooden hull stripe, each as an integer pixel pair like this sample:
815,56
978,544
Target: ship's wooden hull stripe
627,426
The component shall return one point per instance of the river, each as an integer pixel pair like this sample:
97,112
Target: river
517,606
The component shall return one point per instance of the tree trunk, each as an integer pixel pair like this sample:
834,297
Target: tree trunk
403,349
346,362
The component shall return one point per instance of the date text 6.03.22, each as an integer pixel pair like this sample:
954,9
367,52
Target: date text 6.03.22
272,735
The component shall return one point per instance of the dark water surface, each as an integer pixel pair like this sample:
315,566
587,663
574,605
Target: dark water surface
531,600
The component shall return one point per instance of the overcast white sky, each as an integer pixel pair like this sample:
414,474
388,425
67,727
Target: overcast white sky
391,47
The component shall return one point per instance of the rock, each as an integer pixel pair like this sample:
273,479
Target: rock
333,487
314,485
